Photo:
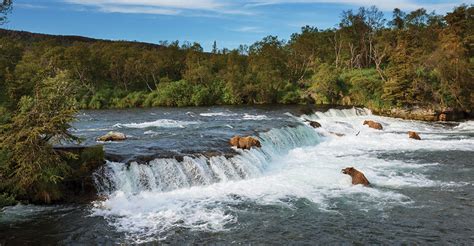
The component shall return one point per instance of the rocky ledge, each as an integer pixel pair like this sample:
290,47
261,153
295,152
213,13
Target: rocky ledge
425,114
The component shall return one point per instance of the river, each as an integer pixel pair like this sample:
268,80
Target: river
176,180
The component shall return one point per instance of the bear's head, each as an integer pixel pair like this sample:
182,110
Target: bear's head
255,142
348,170
366,122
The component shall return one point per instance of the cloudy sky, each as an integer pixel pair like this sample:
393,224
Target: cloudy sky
229,22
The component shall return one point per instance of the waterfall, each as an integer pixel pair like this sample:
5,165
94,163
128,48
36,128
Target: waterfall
168,174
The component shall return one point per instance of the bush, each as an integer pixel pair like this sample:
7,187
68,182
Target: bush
364,87
5,116
132,100
201,96
326,86
7,200
290,95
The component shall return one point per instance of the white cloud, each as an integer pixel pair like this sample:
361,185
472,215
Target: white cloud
29,6
138,10
243,7
386,5
167,7
172,4
248,29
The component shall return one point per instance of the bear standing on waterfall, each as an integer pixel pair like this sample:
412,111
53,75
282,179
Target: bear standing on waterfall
357,176
244,142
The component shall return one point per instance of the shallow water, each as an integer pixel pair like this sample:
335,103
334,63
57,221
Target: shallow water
289,191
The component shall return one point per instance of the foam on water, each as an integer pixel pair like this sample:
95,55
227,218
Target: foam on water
217,114
255,117
465,126
148,201
162,123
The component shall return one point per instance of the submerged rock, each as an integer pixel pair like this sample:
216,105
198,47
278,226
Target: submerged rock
112,136
373,124
338,134
244,142
413,135
357,176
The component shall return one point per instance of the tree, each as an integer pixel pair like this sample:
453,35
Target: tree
198,68
326,86
398,19
5,8
268,70
215,50
32,167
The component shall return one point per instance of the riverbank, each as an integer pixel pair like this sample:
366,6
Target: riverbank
425,114
77,187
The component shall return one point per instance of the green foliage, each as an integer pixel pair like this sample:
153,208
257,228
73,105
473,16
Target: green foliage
5,116
5,7
30,167
290,95
7,200
364,87
326,87
174,94
415,59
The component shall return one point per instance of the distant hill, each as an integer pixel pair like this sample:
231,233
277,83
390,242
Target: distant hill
66,40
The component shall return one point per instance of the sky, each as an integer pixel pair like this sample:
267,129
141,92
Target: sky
228,22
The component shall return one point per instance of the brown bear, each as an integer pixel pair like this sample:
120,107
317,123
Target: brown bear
442,117
413,135
244,142
314,124
357,176
373,124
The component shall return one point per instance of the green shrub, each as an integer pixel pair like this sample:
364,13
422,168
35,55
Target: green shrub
177,93
289,95
7,200
364,87
5,115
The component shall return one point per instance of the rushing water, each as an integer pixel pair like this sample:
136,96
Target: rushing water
176,180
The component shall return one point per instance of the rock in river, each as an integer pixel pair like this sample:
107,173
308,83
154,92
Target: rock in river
112,136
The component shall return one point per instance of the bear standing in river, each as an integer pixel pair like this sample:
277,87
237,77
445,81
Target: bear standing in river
357,176
373,124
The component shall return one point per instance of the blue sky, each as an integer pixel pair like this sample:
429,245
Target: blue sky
229,22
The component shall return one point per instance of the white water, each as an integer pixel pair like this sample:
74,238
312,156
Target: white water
255,117
146,201
217,114
164,123
465,126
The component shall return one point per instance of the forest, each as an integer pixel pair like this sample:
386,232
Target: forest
415,59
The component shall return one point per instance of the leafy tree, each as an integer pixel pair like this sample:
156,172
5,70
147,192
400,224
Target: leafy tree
32,168
326,87
5,7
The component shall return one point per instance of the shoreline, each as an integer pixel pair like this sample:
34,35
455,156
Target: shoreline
407,113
